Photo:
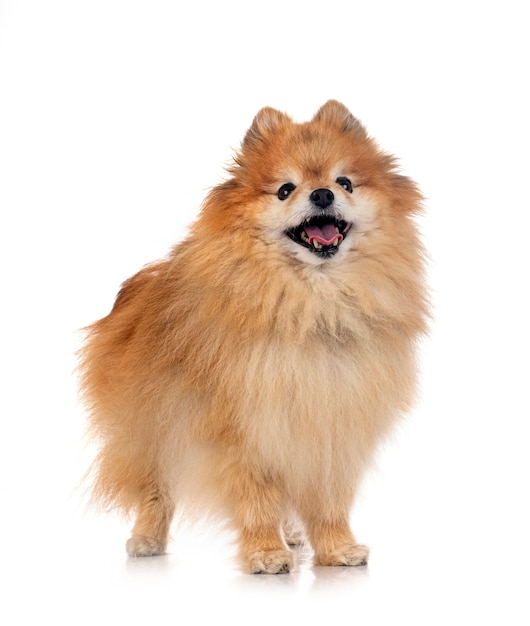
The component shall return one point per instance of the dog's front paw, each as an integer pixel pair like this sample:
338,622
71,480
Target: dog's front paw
351,554
144,546
271,562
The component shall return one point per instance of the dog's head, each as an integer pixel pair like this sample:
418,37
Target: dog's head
312,189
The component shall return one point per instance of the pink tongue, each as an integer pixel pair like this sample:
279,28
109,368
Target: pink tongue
325,235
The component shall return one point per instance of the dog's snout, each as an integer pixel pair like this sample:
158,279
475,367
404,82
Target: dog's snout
322,198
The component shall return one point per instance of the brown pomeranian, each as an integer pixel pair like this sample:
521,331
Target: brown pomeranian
254,370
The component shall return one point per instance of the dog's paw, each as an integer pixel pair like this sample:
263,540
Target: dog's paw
144,546
271,562
352,555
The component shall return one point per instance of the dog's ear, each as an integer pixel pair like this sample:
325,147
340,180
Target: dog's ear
336,114
267,122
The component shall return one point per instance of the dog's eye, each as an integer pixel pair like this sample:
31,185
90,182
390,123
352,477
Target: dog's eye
285,191
345,182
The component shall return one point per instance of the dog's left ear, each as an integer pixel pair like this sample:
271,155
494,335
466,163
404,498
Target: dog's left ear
267,122
336,114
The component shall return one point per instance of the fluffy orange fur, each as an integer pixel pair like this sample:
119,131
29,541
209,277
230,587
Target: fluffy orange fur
250,374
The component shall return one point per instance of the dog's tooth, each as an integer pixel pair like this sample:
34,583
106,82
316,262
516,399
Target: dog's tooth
337,230
317,244
335,242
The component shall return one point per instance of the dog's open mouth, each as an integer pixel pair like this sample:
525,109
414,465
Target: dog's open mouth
321,234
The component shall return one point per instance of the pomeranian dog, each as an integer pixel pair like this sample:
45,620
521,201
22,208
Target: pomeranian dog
255,370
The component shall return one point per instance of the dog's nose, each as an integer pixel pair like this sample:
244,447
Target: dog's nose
322,198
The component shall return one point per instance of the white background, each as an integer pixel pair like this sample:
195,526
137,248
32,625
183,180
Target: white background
115,117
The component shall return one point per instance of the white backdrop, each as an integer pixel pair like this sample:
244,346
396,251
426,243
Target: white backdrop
115,117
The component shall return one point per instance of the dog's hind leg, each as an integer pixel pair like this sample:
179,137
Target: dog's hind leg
150,532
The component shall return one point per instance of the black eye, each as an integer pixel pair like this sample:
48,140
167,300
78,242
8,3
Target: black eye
345,182
286,190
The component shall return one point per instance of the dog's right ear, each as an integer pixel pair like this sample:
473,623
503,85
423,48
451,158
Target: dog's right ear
267,122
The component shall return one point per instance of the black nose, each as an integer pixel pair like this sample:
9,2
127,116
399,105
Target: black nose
322,198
